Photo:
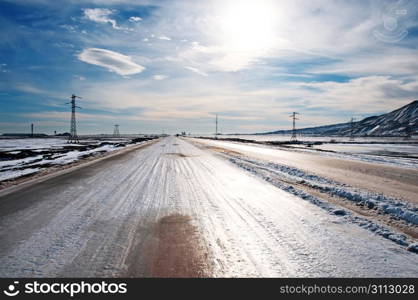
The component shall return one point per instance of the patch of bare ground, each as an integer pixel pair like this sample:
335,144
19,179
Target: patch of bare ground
179,250
176,154
223,150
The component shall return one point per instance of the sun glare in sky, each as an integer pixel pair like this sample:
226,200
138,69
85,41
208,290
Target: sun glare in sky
249,26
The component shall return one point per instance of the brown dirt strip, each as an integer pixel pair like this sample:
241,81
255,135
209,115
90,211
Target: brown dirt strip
171,248
223,150
177,154
179,251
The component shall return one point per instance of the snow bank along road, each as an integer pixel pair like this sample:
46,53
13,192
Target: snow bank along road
174,209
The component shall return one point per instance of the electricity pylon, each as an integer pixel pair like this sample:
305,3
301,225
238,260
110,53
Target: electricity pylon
352,129
73,138
294,118
116,131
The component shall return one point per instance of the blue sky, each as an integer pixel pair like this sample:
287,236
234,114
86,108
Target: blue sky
173,65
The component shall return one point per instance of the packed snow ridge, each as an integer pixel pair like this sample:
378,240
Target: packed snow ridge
284,176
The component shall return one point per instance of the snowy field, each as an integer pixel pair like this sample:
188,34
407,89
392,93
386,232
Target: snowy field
22,157
410,150
377,146
50,143
37,143
282,137
326,139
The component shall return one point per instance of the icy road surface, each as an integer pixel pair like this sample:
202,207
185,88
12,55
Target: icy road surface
133,214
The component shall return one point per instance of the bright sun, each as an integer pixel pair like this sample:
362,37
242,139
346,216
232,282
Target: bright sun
249,26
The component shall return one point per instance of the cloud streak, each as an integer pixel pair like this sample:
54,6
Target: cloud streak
135,19
160,77
197,71
100,15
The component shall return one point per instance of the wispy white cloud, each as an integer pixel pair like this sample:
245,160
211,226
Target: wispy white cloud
100,15
3,68
135,19
363,95
33,89
195,70
319,102
79,77
60,115
236,35
29,89
166,38
113,61
70,28
159,77
393,61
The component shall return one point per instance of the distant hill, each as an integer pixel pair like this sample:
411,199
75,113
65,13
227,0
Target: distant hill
400,122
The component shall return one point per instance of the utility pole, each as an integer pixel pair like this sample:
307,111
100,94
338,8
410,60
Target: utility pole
73,138
294,118
116,131
216,127
31,130
352,129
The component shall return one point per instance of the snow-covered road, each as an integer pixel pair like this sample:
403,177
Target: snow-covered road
127,215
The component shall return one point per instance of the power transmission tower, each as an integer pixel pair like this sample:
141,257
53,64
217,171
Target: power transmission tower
294,118
216,127
352,129
73,138
116,131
